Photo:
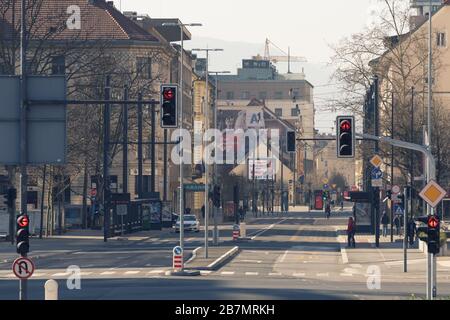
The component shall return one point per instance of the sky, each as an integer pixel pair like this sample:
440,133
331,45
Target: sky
241,27
306,26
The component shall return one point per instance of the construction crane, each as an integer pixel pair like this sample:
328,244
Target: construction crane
286,58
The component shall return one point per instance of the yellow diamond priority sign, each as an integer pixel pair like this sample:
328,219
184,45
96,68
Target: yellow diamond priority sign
376,161
433,194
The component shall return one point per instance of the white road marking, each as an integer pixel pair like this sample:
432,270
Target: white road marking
443,264
257,234
37,275
61,274
252,261
251,273
132,272
85,273
299,275
344,255
205,272
227,273
156,271
107,273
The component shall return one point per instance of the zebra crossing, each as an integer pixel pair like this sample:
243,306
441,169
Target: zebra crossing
91,274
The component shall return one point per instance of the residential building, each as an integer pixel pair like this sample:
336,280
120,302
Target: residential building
288,97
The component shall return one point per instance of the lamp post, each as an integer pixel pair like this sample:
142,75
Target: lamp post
215,179
181,195
207,123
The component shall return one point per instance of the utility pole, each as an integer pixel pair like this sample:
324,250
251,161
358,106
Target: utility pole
411,154
153,148
431,259
125,143
377,150
106,156
207,126
181,26
23,130
392,168
215,178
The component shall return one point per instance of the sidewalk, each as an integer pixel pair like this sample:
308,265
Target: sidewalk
217,256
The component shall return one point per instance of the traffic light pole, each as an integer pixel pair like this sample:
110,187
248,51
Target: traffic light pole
23,132
431,175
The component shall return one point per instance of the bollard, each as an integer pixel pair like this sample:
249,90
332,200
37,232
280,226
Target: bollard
51,290
243,230
236,232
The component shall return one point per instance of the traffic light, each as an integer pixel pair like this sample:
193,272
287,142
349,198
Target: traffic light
434,234
291,141
169,106
22,236
216,196
345,137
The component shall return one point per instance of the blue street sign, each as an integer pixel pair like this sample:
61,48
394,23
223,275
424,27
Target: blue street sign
398,210
377,174
326,187
177,251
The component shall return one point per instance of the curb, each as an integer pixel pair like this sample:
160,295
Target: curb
217,263
223,259
185,273
193,255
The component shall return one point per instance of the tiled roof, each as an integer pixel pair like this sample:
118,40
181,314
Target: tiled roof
99,21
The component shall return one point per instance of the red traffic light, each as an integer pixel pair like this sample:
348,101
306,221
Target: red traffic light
169,94
23,221
433,222
346,125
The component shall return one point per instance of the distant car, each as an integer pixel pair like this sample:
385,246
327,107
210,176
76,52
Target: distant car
191,223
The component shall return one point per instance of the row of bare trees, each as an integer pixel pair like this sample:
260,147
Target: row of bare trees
398,55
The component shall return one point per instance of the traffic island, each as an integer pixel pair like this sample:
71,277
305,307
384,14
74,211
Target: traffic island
184,273
217,257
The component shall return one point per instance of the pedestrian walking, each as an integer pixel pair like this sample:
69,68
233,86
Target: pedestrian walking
203,211
385,223
328,211
351,230
412,230
397,224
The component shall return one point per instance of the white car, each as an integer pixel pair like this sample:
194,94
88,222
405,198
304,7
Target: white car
191,223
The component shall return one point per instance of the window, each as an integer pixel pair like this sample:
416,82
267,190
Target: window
279,95
58,65
230,95
279,112
441,39
263,95
245,95
145,184
295,112
144,67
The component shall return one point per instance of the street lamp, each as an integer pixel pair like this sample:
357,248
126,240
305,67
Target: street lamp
207,50
216,73
181,26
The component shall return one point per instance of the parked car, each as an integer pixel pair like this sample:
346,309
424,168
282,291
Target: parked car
191,223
